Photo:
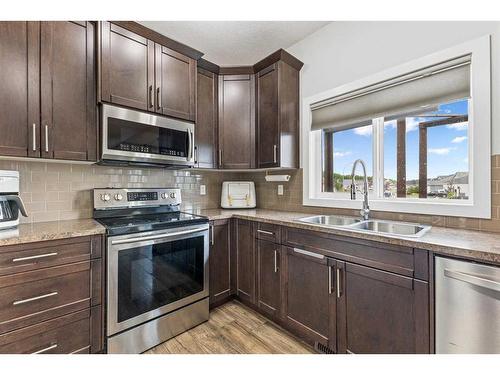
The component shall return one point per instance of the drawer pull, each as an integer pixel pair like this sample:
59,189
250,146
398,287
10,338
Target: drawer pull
34,257
53,346
308,253
265,232
20,302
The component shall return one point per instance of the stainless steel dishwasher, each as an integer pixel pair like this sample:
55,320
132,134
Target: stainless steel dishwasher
467,307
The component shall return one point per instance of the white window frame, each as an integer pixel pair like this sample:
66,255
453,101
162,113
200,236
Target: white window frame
479,204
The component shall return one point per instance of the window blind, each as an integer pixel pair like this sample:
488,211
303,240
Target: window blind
430,86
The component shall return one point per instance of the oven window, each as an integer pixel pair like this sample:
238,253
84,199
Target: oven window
135,137
152,276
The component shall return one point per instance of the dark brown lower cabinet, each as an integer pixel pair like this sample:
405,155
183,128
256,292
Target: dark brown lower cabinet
309,303
219,260
245,261
269,277
381,312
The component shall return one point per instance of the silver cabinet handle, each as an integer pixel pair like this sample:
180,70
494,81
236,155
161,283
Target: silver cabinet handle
20,302
212,240
473,279
151,96
34,257
196,155
275,153
34,137
46,138
330,280
275,261
220,157
308,253
158,98
338,283
53,346
265,232
156,237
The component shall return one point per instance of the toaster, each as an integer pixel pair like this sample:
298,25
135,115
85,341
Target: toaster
238,194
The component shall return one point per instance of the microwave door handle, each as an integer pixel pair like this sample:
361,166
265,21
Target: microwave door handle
19,202
190,147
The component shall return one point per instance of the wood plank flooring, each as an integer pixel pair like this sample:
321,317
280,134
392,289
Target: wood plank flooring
233,329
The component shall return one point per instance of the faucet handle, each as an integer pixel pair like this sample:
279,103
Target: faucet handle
353,191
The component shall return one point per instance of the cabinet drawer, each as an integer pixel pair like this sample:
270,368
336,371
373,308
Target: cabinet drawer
36,296
65,335
393,258
28,257
268,232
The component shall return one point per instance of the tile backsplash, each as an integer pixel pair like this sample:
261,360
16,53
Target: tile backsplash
61,191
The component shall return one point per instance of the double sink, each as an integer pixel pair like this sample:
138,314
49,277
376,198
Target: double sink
392,228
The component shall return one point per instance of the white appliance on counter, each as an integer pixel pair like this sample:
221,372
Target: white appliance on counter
10,201
238,194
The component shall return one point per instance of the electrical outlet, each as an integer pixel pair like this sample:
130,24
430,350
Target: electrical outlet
280,189
203,189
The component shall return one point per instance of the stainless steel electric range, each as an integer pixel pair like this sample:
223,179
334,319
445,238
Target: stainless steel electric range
157,266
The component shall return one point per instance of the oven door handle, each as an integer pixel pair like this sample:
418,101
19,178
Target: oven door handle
156,236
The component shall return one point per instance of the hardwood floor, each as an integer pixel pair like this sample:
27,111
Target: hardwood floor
233,329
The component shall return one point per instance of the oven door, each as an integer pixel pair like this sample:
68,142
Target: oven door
134,136
153,273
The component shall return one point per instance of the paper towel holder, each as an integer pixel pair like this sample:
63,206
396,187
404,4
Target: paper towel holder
277,177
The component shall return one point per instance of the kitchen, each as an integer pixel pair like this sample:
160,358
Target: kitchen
165,193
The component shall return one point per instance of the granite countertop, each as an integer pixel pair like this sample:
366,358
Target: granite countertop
50,230
475,245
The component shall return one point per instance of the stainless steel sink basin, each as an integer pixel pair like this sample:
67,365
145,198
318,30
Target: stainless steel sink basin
332,220
391,227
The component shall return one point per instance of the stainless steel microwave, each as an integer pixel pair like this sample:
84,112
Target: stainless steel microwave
133,137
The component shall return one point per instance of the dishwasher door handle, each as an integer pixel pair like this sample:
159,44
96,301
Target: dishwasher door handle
473,279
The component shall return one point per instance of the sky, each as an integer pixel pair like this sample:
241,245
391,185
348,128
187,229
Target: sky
447,146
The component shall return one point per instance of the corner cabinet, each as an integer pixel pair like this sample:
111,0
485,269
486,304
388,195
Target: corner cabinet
277,92
49,110
138,73
219,262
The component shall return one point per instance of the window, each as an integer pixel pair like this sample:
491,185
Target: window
422,129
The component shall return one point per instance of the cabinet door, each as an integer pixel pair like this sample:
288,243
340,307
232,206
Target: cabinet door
68,102
220,281
268,117
236,121
206,122
309,301
381,312
19,96
127,68
175,84
245,253
269,277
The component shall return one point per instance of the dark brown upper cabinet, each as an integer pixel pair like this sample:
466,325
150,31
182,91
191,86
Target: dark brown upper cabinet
277,92
68,92
127,68
381,312
269,277
19,96
175,76
136,72
220,278
236,121
309,303
206,124
49,108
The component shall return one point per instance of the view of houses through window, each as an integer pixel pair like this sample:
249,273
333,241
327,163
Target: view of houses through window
425,155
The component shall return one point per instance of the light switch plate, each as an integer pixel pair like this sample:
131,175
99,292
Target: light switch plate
203,189
280,189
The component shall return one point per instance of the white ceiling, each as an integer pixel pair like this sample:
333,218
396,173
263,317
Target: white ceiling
229,43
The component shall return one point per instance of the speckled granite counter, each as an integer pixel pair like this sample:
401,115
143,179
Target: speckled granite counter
480,246
50,230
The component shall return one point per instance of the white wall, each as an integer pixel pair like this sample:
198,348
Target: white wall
342,52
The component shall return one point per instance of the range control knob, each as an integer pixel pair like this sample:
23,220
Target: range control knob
163,195
105,197
172,195
118,197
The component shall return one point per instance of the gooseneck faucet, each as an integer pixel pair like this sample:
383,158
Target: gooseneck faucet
365,211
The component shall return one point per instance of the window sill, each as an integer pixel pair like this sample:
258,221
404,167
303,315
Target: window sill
442,208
